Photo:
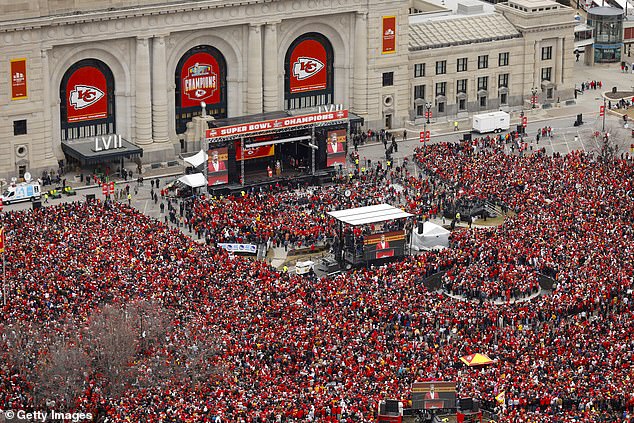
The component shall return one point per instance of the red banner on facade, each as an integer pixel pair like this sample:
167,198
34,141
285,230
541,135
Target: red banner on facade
336,148
389,34
1,240
200,80
255,152
217,166
308,67
86,95
18,79
275,124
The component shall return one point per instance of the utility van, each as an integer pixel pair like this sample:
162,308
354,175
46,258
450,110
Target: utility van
26,191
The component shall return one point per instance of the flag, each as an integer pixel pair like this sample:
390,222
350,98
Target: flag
501,397
2,240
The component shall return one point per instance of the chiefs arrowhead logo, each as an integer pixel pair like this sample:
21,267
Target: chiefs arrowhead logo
305,67
84,95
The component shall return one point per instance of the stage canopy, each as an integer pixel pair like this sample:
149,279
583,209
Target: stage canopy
476,359
195,180
197,159
369,214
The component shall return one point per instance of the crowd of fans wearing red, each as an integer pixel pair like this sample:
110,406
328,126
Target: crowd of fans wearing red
307,349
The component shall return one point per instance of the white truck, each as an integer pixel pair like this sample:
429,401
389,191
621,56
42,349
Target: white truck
26,191
491,122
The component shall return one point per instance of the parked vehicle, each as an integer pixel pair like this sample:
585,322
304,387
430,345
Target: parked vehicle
491,122
26,191
54,193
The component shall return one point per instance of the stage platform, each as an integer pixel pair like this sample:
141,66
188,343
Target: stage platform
259,179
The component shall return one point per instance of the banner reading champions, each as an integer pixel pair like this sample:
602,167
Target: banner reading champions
86,95
200,80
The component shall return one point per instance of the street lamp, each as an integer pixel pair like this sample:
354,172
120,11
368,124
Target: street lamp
428,106
533,98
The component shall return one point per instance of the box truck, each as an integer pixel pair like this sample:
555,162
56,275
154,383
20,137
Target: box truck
491,122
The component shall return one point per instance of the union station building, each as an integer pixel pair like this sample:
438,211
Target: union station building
139,73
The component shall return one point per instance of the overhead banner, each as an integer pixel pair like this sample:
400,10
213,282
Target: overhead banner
18,79
275,124
389,34
200,80
336,148
309,70
86,95
255,152
217,166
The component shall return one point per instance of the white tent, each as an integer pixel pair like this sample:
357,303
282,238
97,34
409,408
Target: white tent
433,237
197,159
195,180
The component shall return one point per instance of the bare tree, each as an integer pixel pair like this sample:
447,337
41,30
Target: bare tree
62,374
109,339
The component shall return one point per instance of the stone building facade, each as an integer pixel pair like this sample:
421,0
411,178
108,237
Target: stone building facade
73,70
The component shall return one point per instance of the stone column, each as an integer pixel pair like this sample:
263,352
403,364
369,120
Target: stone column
537,69
271,70
254,70
361,63
160,131
559,63
46,103
143,104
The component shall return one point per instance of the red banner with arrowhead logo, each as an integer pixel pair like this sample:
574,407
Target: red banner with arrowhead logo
255,152
86,95
18,79
389,34
308,67
200,80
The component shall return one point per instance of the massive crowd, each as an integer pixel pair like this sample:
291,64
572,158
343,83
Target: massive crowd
305,349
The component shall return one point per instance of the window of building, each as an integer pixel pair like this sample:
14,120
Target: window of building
462,104
483,83
441,88
419,70
441,67
547,74
461,86
420,110
388,79
441,107
547,53
483,101
19,127
503,59
483,61
419,91
503,80
462,64
504,98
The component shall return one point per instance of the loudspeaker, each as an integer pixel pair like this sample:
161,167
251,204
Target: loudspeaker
391,406
90,198
420,227
579,119
466,136
37,205
466,404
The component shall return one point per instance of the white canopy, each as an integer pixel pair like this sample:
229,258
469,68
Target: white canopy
433,237
197,159
431,229
369,214
195,180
